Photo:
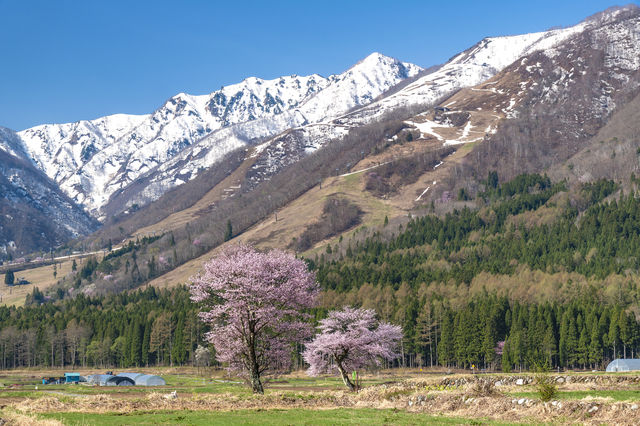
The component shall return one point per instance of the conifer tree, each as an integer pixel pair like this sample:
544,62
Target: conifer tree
9,278
145,349
613,337
229,232
178,344
136,344
446,345
582,351
595,346
626,331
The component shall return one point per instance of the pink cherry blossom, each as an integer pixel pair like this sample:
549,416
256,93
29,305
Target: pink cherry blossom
351,339
255,304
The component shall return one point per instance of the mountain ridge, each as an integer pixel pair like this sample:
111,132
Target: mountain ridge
34,213
90,162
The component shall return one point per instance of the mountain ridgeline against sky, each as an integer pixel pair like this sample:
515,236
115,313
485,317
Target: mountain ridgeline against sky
524,102
91,160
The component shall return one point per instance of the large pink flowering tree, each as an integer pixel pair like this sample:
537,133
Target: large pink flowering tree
255,303
351,339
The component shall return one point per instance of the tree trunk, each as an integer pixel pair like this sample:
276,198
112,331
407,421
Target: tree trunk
345,378
256,384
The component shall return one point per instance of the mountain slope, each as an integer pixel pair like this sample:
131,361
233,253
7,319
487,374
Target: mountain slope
475,114
34,213
533,114
560,98
91,160
469,68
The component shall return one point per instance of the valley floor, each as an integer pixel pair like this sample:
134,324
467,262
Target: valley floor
389,397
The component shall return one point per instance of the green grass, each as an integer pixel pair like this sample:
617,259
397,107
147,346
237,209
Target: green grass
340,416
617,395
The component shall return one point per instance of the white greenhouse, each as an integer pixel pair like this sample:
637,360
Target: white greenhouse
618,365
144,379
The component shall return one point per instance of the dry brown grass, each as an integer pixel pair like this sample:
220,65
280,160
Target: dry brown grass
215,194
11,418
455,395
293,220
41,277
412,396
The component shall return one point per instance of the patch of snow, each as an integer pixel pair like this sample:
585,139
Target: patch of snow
423,192
364,170
427,128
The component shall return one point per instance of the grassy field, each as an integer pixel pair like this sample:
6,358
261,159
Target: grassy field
266,417
387,397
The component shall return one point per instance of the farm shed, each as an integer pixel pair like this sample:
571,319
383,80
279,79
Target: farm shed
623,365
144,379
131,376
71,377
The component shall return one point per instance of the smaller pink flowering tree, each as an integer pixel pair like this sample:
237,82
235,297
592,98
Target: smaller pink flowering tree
351,339
255,303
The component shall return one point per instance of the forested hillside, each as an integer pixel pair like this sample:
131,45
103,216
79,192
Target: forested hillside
540,273
549,270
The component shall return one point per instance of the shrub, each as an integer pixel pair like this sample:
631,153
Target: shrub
482,387
545,385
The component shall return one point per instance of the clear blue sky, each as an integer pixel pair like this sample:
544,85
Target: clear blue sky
65,60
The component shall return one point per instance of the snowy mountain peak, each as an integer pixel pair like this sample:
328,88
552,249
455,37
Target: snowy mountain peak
91,160
376,59
11,144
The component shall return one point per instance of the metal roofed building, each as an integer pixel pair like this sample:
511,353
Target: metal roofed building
99,379
71,377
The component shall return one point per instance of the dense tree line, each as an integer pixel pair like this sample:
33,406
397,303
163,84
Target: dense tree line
491,332
420,279
148,327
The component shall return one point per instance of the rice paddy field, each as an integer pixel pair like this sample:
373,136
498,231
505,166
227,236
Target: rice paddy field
398,397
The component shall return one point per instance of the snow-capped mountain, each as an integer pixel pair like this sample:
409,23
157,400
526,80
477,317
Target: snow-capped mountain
558,100
311,129
470,68
135,159
91,160
34,213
